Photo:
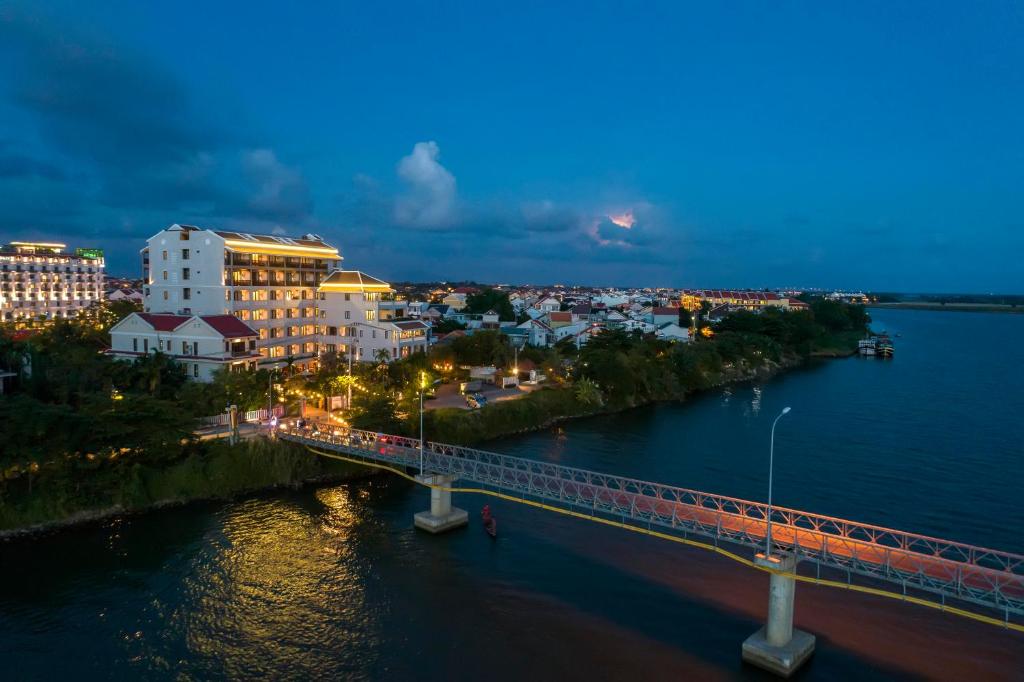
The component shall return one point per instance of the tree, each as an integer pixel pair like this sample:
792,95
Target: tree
375,411
588,393
490,299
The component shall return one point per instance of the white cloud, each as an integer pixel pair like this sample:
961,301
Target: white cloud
429,199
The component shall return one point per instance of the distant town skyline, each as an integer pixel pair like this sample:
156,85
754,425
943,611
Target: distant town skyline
873,147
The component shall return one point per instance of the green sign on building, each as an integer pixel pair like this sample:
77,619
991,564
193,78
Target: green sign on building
89,253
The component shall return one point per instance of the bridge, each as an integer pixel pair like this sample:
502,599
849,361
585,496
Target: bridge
984,584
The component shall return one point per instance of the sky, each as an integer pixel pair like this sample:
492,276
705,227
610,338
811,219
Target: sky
872,145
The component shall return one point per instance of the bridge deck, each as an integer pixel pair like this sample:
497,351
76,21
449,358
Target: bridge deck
942,568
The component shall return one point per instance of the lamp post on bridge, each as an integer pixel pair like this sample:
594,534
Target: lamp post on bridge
771,466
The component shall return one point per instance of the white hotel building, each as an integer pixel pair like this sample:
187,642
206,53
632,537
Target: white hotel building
39,281
360,318
269,282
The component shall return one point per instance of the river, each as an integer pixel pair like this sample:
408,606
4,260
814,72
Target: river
333,582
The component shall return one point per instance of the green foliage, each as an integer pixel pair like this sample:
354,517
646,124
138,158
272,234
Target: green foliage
588,393
375,411
490,299
484,347
469,427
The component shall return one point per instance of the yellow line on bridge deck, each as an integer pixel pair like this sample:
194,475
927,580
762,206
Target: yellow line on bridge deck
692,543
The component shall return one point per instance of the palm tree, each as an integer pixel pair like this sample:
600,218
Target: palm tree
588,392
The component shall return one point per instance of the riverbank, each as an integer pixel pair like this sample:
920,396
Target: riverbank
66,498
61,498
548,407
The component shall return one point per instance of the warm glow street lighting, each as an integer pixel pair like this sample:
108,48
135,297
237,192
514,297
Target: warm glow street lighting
771,466
423,386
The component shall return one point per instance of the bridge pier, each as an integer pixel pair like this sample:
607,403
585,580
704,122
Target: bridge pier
442,515
777,647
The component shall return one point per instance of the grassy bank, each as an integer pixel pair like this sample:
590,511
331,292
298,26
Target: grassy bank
58,495
548,406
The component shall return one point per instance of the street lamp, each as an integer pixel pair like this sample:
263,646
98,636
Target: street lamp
423,386
771,466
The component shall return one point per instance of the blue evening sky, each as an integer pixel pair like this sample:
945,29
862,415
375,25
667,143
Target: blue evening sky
874,145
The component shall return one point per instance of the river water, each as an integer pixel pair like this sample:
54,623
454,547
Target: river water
333,582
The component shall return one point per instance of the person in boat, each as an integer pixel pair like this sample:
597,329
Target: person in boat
490,524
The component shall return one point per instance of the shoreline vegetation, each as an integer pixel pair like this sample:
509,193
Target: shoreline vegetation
84,438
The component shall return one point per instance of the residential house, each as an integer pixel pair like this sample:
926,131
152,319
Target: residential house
662,315
558,319
540,333
671,331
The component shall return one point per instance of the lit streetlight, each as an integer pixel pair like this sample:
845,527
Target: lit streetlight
423,386
771,466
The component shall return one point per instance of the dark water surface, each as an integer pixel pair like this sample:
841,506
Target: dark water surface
334,582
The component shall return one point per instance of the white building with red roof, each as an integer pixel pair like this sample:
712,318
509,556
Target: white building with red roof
201,344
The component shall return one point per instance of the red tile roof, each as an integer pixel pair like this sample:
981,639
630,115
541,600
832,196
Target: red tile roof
164,322
229,326
560,316
665,310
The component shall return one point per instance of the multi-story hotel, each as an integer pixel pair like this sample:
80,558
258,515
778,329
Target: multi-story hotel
38,280
359,318
269,282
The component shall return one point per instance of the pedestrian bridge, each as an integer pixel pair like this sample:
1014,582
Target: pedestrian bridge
981,583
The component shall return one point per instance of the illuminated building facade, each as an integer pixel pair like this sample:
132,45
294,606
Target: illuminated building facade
360,317
269,282
691,299
40,281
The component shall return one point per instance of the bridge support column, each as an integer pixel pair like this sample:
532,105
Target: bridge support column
777,647
442,515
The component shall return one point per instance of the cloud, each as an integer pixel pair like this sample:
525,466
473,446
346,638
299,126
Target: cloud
429,196
141,149
625,220
279,191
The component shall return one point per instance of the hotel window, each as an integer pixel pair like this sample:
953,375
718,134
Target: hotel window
184,347
195,369
186,294
348,315
184,254
370,315
263,334
348,297
166,296
186,273
165,274
165,255
135,345
183,235
386,333
259,314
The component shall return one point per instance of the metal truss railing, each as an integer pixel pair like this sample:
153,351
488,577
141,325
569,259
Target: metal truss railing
944,568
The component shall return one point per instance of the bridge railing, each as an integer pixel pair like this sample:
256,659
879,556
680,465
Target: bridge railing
984,576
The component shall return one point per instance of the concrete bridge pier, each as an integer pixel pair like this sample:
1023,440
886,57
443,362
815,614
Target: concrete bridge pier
442,515
777,647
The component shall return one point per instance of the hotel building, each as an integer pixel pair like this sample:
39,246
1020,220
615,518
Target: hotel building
38,280
360,318
269,282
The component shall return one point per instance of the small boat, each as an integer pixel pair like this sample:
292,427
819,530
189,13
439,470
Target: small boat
866,346
490,524
884,346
